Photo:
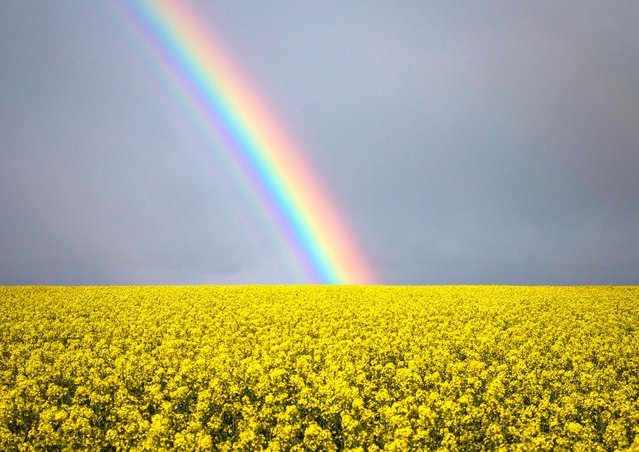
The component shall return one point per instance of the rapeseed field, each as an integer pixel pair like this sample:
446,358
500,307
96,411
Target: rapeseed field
319,368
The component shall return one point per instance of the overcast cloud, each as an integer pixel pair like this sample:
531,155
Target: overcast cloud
464,142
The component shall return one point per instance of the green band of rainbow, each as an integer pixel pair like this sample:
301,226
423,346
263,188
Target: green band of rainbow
265,154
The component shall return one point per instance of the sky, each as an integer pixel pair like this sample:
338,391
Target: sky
461,142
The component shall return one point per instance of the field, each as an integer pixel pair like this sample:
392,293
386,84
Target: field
319,368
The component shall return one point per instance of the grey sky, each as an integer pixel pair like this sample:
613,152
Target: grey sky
464,142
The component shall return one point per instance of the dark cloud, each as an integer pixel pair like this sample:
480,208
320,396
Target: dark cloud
468,143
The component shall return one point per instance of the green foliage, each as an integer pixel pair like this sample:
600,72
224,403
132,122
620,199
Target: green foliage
319,368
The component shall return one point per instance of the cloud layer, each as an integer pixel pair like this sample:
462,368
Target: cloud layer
464,143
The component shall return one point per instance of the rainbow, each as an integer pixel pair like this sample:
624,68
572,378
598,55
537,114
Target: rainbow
267,157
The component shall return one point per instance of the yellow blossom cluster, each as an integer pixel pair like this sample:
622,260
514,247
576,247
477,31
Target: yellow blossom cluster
319,368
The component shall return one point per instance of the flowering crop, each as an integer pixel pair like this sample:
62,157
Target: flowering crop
319,368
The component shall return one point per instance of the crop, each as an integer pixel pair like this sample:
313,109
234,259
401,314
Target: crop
319,368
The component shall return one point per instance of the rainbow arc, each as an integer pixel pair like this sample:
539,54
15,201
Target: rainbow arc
260,147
